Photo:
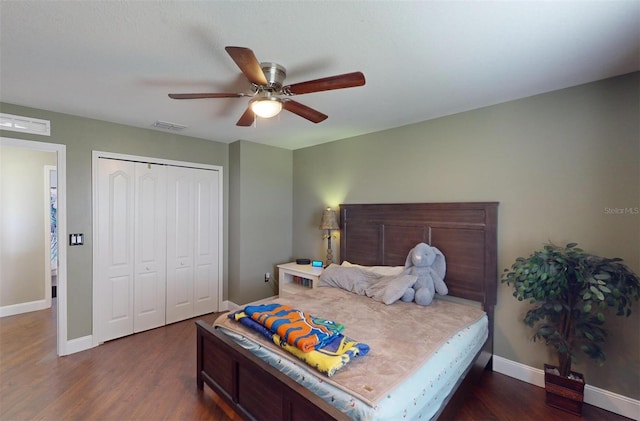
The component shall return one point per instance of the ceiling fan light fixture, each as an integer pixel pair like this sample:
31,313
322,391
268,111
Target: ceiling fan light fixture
267,81
266,107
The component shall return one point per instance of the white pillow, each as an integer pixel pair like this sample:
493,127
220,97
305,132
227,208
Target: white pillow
378,270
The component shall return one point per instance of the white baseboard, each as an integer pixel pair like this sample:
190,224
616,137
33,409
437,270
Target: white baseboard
264,299
224,306
601,398
12,310
78,344
86,342
233,306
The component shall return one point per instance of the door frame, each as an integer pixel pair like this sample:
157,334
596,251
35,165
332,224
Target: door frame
61,155
95,156
47,232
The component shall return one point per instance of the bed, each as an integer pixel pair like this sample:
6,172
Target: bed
371,235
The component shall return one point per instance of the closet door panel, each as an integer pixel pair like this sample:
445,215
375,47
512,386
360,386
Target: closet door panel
180,244
150,247
115,275
206,242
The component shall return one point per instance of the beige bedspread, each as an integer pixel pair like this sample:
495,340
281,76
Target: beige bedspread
401,336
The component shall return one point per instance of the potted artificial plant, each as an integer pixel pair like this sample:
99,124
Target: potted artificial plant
571,291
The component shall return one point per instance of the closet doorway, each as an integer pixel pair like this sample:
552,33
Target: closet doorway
157,243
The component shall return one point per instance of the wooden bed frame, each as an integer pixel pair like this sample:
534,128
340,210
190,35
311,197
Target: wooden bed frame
371,234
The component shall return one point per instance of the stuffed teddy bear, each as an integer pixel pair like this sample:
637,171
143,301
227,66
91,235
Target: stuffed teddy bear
429,265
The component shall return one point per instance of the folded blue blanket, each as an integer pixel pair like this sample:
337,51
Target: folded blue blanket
294,326
328,359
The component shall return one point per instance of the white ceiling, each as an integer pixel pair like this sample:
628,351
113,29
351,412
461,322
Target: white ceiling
117,61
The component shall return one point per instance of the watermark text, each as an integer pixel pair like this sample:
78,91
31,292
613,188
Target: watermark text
622,211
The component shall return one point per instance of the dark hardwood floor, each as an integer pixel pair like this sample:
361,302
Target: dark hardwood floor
151,376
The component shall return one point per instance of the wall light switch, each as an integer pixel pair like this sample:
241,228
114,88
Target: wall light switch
76,239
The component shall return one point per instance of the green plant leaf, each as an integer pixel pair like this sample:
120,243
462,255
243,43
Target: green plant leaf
597,293
586,308
545,331
603,288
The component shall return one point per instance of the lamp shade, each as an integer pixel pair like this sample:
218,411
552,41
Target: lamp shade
329,220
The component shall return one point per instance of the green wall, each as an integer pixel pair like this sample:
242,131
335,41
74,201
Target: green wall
555,162
81,136
260,197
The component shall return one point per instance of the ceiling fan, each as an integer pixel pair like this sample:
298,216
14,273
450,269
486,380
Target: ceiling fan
267,90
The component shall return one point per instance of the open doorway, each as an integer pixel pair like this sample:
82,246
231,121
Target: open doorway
51,224
15,165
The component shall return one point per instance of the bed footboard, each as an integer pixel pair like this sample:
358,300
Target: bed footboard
257,391
251,387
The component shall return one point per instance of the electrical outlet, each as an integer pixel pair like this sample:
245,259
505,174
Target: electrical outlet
267,276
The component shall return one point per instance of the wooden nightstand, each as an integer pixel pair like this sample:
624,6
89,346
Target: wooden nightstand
293,278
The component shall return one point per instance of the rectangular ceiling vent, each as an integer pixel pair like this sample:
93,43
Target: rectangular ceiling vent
165,125
17,123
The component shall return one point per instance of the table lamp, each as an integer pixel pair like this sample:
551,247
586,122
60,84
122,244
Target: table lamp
329,222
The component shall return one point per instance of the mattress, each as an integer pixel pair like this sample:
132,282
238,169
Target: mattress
412,386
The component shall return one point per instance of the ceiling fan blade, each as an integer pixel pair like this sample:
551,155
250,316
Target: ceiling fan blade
347,80
205,95
248,63
247,118
304,111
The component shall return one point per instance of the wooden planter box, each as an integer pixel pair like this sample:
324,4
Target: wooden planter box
564,393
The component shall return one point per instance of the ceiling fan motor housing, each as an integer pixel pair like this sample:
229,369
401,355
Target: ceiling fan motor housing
275,75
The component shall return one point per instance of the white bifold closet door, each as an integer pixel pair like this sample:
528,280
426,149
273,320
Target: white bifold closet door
192,242
150,261
131,284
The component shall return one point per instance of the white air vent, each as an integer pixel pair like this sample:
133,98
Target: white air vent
165,125
22,124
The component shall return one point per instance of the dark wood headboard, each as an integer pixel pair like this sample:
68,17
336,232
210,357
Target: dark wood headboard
466,233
